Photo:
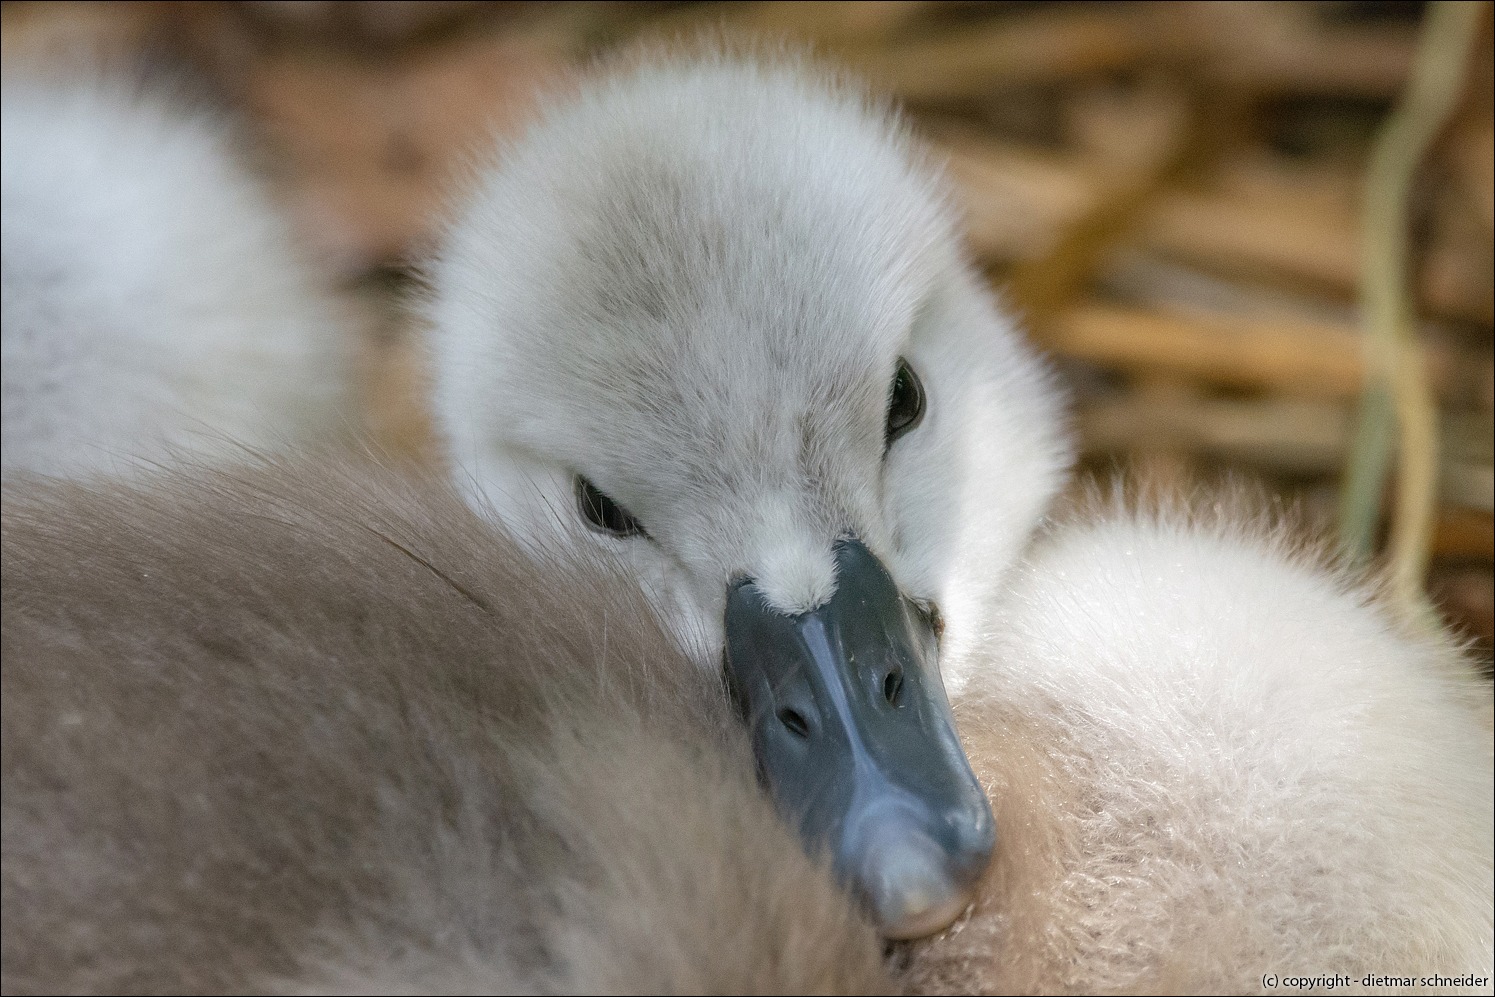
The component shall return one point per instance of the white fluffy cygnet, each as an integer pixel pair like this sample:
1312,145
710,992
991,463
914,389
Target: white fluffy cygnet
151,294
1214,759
687,308
718,311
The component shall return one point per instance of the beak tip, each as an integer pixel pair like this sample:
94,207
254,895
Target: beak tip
924,921
911,886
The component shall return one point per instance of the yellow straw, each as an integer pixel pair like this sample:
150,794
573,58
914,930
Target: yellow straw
1396,387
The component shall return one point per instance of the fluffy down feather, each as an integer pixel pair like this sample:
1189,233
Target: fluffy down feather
320,730
1213,757
151,296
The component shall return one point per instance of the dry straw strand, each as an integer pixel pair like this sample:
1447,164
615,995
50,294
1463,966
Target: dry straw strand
1397,408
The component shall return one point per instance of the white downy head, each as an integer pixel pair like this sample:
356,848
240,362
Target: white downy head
692,288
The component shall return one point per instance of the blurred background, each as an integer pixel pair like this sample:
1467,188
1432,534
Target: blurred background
1169,194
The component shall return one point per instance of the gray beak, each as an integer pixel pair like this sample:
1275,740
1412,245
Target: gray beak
855,739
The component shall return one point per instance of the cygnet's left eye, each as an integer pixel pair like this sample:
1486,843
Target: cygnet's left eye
906,406
602,513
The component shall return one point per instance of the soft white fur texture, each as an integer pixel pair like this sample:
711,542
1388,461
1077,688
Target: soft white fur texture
1212,758
692,285
153,298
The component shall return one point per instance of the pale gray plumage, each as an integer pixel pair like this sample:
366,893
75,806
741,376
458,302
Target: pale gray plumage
318,729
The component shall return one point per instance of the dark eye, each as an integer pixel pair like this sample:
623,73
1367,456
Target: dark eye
906,406
603,513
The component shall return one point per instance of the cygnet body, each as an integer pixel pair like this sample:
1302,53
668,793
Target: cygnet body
318,729
152,299
1221,764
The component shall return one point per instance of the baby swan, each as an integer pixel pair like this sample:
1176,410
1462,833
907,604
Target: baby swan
323,730
718,311
151,298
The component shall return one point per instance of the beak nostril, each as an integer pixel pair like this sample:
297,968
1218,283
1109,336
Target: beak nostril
892,686
794,722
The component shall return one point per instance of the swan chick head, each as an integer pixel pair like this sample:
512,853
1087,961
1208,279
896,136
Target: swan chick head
717,312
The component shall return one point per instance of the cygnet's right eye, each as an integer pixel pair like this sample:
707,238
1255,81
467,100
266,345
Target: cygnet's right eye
905,403
602,513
